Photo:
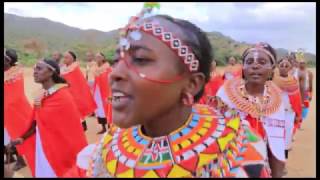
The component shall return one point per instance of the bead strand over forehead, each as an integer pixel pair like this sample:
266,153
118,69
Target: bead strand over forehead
259,47
47,65
153,28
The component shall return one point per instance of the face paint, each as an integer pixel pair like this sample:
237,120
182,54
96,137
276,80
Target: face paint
261,47
256,55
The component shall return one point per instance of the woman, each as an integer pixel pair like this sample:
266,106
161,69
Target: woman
58,133
307,86
232,70
56,55
102,92
260,101
157,132
78,86
211,88
17,109
290,86
295,72
91,67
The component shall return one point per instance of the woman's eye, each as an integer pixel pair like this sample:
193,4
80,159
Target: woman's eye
249,61
140,61
115,62
262,62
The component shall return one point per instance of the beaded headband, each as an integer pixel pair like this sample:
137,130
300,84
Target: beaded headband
5,55
156,30
284,59
48,65
257,47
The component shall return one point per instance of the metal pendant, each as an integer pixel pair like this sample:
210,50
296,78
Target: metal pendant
124,43
135,35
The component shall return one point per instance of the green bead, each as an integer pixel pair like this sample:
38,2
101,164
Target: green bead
251,137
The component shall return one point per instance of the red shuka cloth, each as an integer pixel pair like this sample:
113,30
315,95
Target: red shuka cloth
80,90
17,111
62,136
211,88
256,125
236,70
102,80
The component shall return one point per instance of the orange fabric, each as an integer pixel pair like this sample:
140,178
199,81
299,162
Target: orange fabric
61,133
102,80
18,115
80,90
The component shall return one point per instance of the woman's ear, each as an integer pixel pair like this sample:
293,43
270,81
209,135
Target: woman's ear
50,73
195,83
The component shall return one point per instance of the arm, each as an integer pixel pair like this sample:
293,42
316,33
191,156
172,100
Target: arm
30,131
26,135
87,71
301,84
310,80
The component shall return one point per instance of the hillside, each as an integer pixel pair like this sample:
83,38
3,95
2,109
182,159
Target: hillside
20,32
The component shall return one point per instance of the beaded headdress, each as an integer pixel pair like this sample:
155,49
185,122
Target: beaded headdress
261,47
137,24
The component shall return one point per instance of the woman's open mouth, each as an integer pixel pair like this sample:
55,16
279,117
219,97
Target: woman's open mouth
120,100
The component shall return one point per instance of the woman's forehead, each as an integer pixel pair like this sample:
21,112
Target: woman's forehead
285,61
40,65
67,54
173,28
98,55
259,53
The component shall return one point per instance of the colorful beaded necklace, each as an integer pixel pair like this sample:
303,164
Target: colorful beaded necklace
255,106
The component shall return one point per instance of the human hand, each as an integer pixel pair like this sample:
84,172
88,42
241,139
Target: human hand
297,120
15,142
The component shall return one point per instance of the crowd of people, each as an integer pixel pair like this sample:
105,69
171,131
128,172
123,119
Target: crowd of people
164,110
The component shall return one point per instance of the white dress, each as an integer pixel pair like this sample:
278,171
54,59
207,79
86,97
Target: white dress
97,97
275,135
6,137
290,117
43,167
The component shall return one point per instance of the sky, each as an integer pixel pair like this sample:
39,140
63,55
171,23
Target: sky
289,25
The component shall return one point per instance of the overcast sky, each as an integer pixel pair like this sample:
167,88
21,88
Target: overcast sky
283,25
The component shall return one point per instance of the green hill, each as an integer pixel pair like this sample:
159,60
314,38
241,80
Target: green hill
38,37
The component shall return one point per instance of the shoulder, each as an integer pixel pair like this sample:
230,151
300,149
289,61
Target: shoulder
70,68
60,90
13,74
229,91
273,87
233,142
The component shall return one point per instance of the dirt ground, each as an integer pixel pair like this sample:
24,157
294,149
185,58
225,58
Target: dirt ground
302,157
